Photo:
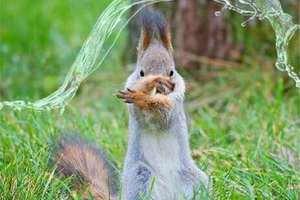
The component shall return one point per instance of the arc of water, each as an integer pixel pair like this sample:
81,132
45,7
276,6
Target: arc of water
113,19
281,22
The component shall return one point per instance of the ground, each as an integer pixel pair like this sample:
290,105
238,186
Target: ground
244,121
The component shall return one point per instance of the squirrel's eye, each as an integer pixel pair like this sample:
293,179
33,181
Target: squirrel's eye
142,73
171,73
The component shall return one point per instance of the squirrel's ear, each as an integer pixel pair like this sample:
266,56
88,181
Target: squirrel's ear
147,30
145,40
153,24
165,36
163,30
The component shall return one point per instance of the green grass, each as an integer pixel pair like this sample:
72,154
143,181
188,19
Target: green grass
243,122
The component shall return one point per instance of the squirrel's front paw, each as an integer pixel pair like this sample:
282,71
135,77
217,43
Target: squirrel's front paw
130,96
153,84
163,85
144,101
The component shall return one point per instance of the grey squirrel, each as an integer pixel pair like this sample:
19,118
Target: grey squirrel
158,159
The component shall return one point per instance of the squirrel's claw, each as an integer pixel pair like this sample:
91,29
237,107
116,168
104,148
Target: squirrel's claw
130,90
128,101
120,93
126,96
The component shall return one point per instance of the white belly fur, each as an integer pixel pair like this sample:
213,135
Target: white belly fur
161,151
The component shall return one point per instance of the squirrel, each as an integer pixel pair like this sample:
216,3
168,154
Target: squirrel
158,159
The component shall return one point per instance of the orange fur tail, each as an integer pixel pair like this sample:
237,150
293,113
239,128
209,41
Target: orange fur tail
74,157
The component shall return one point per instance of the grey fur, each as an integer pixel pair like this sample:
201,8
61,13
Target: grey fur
158,146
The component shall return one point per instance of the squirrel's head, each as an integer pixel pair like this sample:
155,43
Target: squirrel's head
155,52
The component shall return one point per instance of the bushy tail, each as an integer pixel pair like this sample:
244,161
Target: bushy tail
75,157
154,23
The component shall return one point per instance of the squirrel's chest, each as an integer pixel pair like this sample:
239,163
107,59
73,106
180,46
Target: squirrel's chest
161,153
152,122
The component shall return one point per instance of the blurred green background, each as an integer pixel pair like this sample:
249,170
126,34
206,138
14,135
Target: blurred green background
244,120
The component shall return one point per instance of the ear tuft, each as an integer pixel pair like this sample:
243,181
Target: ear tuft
145,40
154,23
163,30
147,28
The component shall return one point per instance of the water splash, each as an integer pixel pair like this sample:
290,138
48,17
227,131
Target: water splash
281,22
92,54
115,19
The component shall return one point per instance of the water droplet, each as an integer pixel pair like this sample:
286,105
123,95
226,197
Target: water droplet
218,13
244,24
